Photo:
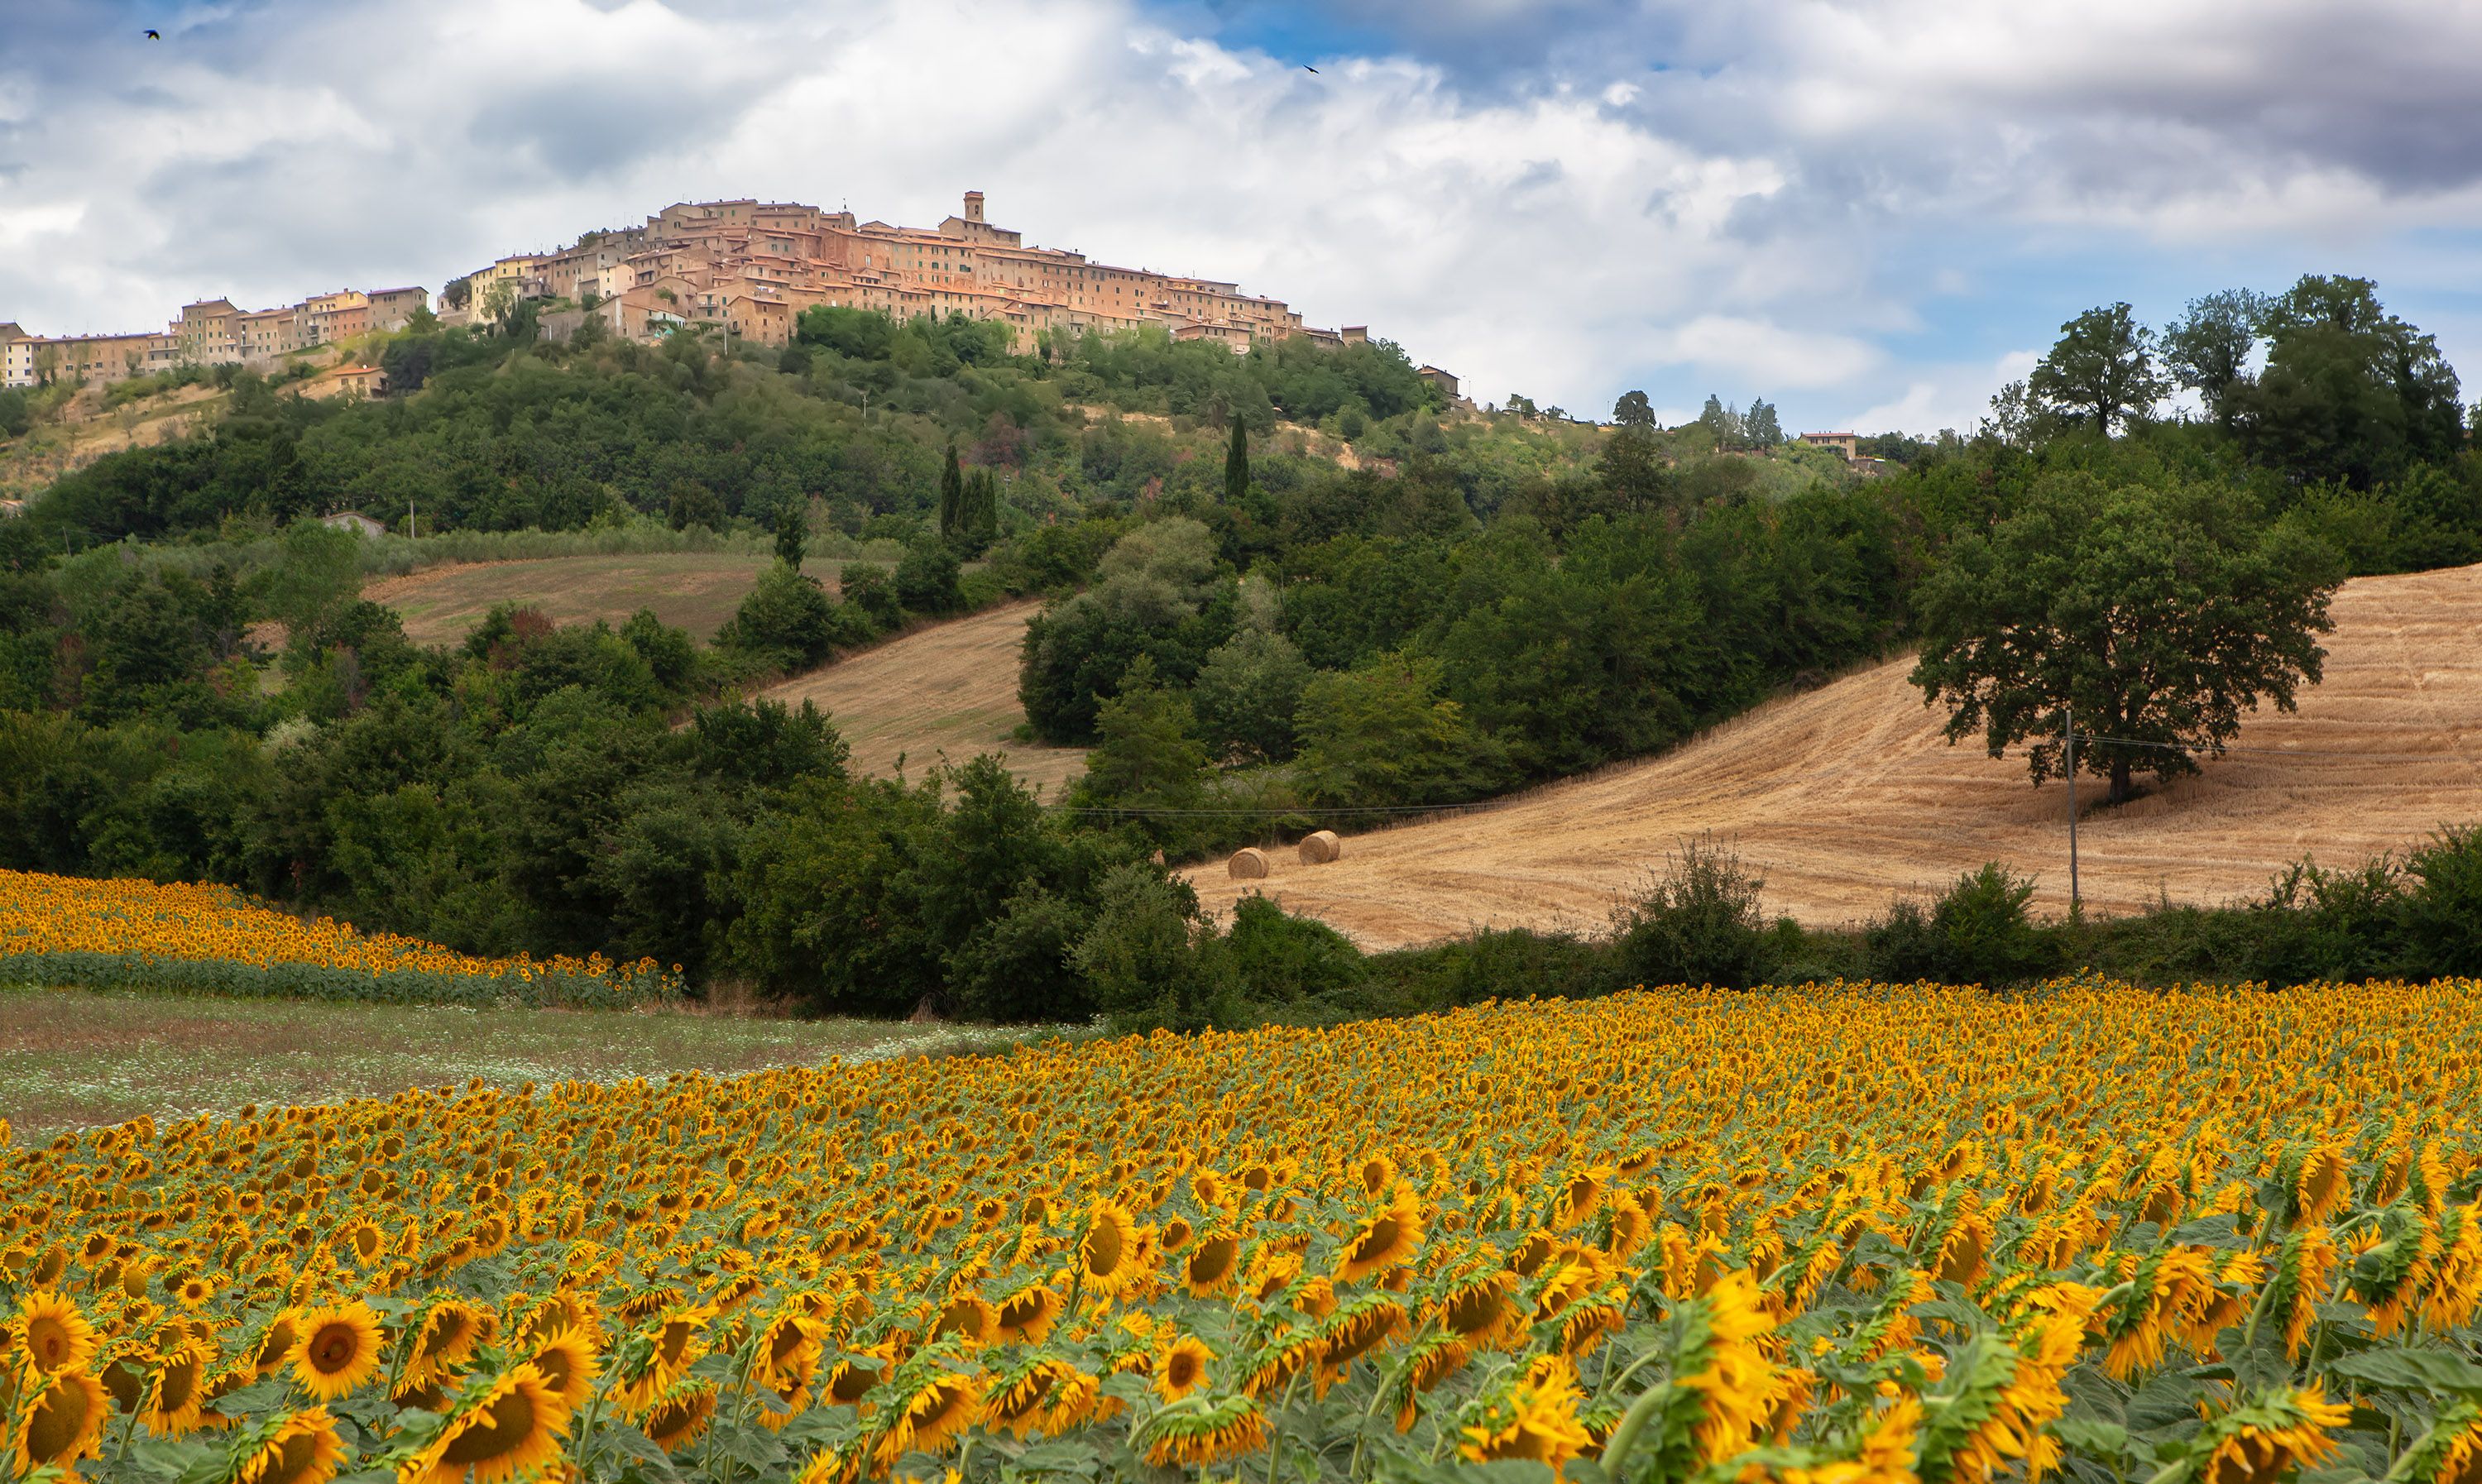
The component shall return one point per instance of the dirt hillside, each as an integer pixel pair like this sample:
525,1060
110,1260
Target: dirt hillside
1847,796
949,690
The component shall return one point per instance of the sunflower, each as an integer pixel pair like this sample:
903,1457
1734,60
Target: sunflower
339,1349
52,1334
366,1239
450,1331
299,1448
2272,1438
179,1396
1537,1419
927,1421
499,1429
1106,1255
1182,1368
1044,1392
1384,1240
1210,1266
970,1317
63,1422
1199,1432
680,1416
1026,1316
567,1363
193,1292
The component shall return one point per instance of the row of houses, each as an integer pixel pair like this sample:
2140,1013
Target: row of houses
750,268
211,332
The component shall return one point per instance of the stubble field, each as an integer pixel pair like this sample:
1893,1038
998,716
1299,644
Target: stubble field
1848,795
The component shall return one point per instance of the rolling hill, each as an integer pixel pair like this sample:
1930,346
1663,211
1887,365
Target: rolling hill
1848,795
948,690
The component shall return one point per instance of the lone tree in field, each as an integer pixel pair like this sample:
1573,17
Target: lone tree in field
2101,373
2160,615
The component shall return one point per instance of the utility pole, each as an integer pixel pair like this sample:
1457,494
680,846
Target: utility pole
2072,810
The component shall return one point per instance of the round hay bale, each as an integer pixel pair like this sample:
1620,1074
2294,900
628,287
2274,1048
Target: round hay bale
1248,864
1320,846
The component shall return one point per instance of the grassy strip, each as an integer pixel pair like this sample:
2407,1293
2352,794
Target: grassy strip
227,979
80,1058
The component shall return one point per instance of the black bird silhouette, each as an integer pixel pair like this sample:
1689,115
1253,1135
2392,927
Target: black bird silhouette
154,35
1307,68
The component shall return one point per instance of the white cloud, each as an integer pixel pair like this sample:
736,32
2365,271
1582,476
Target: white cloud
1938,397
1532,205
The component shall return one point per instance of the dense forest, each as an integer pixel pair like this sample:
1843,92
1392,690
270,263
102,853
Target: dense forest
1246,630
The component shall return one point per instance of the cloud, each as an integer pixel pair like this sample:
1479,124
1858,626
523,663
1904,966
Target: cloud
1835,203
1936,397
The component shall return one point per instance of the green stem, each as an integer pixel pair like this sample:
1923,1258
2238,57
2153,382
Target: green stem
1632,1423
1283,1410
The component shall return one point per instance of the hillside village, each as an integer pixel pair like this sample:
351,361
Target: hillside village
745,267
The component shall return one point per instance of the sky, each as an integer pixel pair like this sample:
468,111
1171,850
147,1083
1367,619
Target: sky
1872,213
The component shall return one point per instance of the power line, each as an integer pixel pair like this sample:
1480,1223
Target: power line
2280,752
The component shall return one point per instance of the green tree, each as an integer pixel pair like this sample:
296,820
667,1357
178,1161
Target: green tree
317,572
2350,391
2207,349
1634,411
1246,696
787,621
2160,615
1148,756
1386,735
1154,960
792,533
1761,427
2101,373
952,497
1236,464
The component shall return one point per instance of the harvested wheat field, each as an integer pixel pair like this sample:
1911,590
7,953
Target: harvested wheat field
946,691
1848,795
693,589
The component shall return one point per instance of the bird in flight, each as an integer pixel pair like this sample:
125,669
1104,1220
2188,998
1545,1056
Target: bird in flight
154,35
1307,68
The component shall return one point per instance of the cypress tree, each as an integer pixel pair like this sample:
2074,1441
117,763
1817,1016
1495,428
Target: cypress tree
952,495
1236,463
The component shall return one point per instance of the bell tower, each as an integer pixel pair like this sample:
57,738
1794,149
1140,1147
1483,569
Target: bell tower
974,206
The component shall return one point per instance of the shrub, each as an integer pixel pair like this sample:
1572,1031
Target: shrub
2441,916
1153,961
1492,963
789,621
1698,924
926,579
1021,965
866,588
1282,960
1983,929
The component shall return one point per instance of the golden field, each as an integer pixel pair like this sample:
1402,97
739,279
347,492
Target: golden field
1848,793
1850,1233
213,940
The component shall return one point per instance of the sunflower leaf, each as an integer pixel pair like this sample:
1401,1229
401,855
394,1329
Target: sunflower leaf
2434,1371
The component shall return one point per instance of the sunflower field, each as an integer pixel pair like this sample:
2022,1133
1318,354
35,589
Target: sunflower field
1825,1237
210,939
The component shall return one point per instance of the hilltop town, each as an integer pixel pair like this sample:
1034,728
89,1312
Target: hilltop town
746,268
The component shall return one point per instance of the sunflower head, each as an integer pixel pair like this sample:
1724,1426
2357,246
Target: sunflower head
1182,1368
339,1349
51,1334
497,1429
64,1423
300,1447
